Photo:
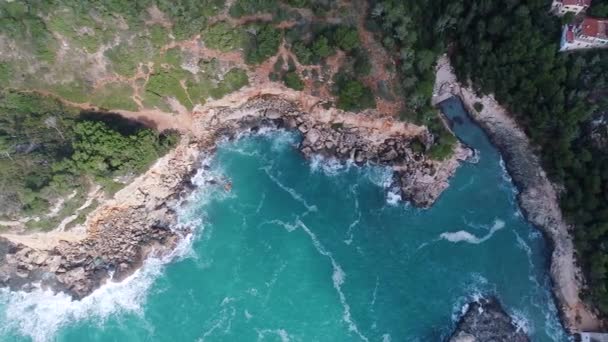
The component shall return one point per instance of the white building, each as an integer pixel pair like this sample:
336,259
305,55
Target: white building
589,33
561,7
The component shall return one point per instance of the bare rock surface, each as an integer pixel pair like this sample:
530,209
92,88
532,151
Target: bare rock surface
141,219
537,196
486,321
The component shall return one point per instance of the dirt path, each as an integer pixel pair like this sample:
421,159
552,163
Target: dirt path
316,93
379,60
181,120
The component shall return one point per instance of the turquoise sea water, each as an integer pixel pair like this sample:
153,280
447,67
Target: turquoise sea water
315,251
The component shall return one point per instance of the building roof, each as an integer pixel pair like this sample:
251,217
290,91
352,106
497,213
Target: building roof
593,27
577,2
569,34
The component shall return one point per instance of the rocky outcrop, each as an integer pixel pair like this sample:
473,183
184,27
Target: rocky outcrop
486,321
121,234
419,179
141,218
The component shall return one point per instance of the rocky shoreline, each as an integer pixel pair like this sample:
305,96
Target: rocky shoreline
537,196
486,321
140,221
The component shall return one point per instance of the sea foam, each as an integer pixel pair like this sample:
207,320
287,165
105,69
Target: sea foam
338,278
464,236
41,313
294,194
328,166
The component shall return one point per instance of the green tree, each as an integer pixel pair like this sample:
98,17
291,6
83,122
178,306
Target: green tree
293,81
346,38
321,47
263,41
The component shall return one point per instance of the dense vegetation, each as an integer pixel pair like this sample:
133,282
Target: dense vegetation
48,150
414,32
599,8
352,94
313,45
510,49
262,42
132,39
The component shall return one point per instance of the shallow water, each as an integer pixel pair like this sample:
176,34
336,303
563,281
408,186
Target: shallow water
315,251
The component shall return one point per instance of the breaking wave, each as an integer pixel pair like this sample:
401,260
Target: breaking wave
41,313
328,166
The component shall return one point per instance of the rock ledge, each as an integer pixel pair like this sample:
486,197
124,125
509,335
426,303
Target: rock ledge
486,321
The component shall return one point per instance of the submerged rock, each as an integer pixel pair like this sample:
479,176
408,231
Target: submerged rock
486,321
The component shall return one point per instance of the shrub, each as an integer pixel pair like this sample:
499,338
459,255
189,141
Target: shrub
114,96
224,37
245,7
321,48
262,42
417,146
125,58
167,83
293,81
6,72
352,94
362,65
233,80
443,146
346,38
478,106
303,53
158,35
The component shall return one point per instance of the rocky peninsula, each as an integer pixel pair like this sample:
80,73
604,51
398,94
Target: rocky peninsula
140,221
486,321
537,196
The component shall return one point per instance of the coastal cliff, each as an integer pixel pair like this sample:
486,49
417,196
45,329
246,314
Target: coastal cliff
537,196
141,219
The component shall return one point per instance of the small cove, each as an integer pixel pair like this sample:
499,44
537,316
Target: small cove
317,251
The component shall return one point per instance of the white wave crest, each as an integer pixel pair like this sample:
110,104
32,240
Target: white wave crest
290,227
474,290
524,246
328,166
349,232
204,180
338,278
381,176
521,322
41,313
294,194
474,159
281,333
223,320
464,236
282,139
505,173
393,197
461,306
510,187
